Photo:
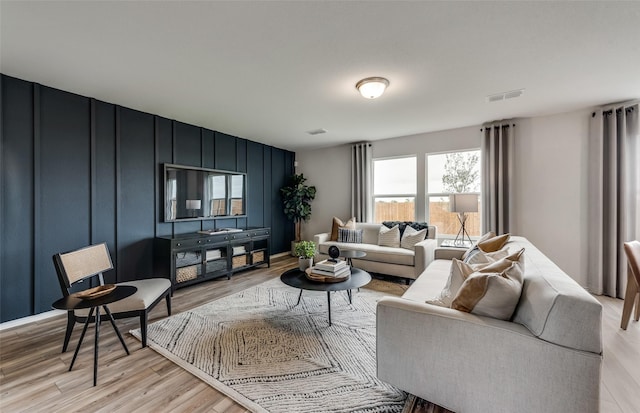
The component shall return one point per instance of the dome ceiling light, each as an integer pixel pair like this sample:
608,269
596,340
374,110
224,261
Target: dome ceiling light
372,87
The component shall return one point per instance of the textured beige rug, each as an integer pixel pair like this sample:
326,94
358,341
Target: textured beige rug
271,355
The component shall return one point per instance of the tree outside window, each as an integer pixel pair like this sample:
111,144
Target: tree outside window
452,173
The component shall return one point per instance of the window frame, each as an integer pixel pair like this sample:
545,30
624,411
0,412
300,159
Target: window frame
428,195
375,196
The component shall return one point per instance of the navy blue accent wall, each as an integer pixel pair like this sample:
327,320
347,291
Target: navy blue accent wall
76,171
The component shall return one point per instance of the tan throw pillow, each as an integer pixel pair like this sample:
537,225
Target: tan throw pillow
459,272
493,291
337,223
493,244
411,237
485,237
389,237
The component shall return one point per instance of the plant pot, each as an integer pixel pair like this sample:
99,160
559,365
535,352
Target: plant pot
304,263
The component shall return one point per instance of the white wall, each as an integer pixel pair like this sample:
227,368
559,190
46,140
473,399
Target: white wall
329,170
551,157
550,199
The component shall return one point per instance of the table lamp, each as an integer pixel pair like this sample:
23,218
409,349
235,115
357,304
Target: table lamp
461,204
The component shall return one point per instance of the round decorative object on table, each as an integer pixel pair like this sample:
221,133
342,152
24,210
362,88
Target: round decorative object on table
325,278
93,293
334,252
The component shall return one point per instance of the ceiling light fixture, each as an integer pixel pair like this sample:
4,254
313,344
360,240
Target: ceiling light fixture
372,87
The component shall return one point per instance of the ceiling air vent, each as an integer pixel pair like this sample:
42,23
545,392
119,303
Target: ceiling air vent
505,95
317,131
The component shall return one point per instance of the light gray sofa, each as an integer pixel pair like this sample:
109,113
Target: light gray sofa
546,359
399,262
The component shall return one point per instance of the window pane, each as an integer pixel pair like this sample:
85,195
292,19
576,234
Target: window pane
456,172
447,222
395,176
394,209
453,172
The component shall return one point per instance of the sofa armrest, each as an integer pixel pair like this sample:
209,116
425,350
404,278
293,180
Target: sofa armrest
448,253
424,252
433,352
320,238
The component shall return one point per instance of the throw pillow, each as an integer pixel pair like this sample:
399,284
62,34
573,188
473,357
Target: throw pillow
403,224
493,291
459,272
485,237
350,235
411,237
493,244
389,237
478,257
337,223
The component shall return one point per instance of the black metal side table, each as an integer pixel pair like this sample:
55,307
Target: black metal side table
70,303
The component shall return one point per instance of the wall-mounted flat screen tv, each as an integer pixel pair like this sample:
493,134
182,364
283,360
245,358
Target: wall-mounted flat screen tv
198,193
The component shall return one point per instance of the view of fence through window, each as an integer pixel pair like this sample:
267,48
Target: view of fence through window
395,183
447,173
394,189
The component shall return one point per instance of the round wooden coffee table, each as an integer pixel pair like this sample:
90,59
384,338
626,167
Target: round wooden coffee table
298,279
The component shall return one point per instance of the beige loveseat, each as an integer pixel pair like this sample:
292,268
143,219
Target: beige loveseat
400,262
547,358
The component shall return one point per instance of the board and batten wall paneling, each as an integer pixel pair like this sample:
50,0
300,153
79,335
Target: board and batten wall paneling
16,207
136,204
255,184
75,171
64,205
278,180
164,154
103,181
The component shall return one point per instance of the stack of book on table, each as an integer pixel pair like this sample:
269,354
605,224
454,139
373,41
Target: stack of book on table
330,268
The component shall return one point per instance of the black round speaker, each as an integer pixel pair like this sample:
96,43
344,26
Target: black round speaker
334,252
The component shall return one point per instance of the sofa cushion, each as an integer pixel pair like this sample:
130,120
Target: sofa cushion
374,252
350,235
337,223
389,237
411,237
430,282
493,291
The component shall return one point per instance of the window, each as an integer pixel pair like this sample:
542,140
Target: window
394,189
447,173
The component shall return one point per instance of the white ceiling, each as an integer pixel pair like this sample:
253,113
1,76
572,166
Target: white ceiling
270,71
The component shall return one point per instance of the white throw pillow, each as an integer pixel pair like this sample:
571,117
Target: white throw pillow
493,291
389,237
411,237
479,257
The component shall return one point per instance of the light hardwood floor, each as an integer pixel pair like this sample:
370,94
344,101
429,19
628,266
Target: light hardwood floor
34,376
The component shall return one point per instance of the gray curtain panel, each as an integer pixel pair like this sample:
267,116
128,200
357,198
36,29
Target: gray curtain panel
361,181
614,195
497,176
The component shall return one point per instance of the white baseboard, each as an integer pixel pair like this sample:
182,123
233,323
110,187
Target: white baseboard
31,319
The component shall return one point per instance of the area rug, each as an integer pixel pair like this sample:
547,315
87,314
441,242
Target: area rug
270,355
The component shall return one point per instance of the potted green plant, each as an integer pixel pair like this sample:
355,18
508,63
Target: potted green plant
305,251
296,199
